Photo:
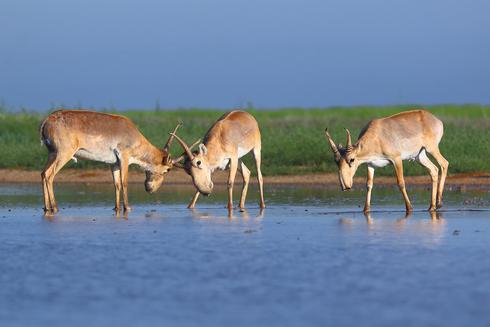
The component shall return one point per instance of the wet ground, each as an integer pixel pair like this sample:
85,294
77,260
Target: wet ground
310,259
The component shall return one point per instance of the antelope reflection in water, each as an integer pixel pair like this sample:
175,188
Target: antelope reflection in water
244,216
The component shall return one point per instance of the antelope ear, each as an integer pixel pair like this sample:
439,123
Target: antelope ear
168,160
202,149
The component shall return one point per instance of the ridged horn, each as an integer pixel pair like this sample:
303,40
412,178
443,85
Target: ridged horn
183,154
184,146
332,144
349,141
166,148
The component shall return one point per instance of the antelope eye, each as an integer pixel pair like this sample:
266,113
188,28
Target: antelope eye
198,162
351,161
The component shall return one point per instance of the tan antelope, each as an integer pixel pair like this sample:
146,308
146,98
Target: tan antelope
405,136
113,139
234,135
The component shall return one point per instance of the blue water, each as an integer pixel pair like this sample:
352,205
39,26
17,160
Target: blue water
291,265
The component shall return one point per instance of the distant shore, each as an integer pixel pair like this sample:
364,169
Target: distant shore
293,139
330,180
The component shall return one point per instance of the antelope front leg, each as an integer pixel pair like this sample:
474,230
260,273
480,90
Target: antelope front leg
231,181
369,186
124,167
116,177
246,179
192,204
401,182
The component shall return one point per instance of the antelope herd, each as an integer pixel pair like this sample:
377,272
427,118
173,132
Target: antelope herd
115,140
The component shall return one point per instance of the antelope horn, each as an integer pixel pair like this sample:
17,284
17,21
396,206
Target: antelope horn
349,141
195,143
166,148
183,154
184,146
332,143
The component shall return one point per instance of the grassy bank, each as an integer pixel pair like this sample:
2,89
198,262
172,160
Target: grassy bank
293,139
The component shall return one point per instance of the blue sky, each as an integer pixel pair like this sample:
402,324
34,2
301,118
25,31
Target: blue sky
224,54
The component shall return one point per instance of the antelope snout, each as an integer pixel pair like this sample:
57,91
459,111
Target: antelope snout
151,187
208,190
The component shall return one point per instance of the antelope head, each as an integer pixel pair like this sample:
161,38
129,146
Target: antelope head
197,166
156,175
345,158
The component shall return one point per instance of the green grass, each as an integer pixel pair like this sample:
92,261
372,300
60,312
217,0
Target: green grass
293,140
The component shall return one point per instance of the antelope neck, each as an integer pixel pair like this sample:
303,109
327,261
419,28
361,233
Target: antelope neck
149,156
215,154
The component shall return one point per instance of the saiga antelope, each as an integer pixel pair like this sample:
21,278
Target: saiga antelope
404,136
113,139
231,137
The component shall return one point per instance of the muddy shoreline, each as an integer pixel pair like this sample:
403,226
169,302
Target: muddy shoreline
472,181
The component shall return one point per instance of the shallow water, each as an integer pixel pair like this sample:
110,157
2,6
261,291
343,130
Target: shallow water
311,258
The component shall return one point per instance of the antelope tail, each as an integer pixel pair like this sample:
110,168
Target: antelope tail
41,128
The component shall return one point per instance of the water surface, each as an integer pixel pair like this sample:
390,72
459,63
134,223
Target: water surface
311,258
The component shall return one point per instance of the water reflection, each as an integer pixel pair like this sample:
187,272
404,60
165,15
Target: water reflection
48,217
232,215
125,214
402,219
15,195
428,228
88,215
382,217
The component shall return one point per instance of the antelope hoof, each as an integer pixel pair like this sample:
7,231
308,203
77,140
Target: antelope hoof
55,209
431,208
366,210
191,206
230,206
409,209
262,206
116,209
439,205
127,209
48,212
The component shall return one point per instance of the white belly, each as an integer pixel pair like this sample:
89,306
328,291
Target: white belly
410,155
378,163
224,164
106,156
242,152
